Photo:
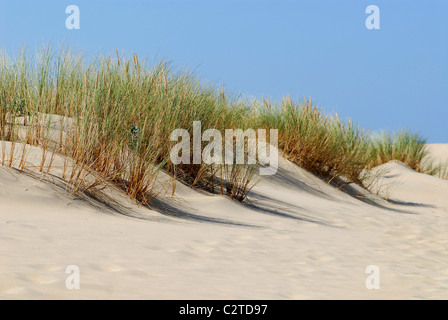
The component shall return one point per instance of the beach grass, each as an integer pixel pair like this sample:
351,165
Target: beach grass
111,118
322,144
123,112
405,146
408,147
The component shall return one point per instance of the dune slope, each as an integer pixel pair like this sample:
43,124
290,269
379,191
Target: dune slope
296,237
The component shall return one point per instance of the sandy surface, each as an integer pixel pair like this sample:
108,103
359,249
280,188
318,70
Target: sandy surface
439,152
296,238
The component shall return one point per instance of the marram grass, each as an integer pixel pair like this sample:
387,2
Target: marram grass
115,117
123,113
404,146
322,144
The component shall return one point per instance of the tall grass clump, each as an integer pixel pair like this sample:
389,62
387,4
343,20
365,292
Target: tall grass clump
116,115
322,144
435,168
442,171
405,146
111,117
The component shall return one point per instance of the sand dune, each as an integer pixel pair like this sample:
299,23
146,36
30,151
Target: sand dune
295,238
439,152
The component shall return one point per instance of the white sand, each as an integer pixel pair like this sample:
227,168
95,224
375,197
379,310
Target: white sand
299,238
439,152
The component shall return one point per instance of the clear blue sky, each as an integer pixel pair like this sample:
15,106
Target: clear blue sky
392,78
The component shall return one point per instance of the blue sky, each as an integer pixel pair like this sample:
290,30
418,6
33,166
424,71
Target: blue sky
392,78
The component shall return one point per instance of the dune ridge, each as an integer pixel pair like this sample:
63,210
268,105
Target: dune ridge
295,237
